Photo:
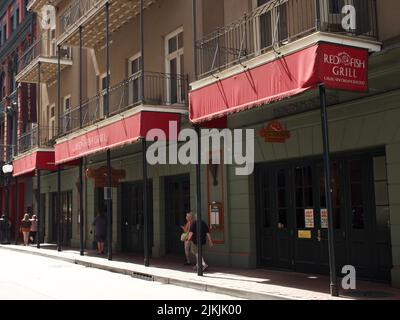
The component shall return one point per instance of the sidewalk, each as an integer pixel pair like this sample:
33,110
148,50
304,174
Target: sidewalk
248,284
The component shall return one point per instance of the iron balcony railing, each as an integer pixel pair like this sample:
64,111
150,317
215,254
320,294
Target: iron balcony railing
44,48
76,10
161,89
37,137
277,23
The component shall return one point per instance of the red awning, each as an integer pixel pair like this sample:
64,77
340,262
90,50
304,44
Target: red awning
116,134
338,67
42,160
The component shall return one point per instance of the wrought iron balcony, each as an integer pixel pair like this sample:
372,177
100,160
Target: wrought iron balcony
37,137
278,23
91,15
44,51
160,89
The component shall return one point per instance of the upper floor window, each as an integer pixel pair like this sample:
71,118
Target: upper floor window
175,66
272,25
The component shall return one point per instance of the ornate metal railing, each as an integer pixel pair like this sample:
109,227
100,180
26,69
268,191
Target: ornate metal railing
76,10
42,48
35,138
277,23
161,89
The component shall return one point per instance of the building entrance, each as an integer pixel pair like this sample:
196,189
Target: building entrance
292,217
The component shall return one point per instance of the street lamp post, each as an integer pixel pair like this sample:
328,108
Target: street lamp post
7,170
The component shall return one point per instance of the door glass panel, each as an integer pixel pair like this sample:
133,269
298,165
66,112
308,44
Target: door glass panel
381,192
283,21
174,86
134,94
356,194
265,202
336,193
282,200
304,193
265,30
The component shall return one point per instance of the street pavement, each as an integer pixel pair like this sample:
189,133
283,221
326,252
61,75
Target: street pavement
29,277
254,284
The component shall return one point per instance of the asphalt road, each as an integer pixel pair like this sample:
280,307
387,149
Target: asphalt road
28,277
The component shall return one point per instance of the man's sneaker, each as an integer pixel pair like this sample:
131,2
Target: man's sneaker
205,268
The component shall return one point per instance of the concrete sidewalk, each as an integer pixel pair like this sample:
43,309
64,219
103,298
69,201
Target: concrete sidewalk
243,283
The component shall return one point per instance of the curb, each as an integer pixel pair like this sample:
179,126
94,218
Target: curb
197,285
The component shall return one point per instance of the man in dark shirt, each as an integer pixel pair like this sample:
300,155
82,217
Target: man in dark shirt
205,235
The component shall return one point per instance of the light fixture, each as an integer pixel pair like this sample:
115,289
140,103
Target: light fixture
8,168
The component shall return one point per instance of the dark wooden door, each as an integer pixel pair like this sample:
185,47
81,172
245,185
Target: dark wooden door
65,219
133,216
177,204
275,216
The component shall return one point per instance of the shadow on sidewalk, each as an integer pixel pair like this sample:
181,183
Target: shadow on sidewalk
252,279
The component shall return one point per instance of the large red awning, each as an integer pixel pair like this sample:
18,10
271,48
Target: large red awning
116,134
335,66
42,160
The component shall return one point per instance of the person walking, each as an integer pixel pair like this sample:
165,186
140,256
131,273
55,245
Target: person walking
25,228
100,231
185,235
34,229
205,235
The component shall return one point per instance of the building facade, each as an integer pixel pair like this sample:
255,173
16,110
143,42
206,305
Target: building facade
17,33
108,72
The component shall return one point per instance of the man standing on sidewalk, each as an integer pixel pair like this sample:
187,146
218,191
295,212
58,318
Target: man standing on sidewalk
205,235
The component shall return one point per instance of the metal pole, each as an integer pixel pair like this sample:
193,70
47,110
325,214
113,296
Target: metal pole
80,77
109,206
198,190
16,205
194,18
59,217
81,206
38,213
142,51
38,114
108,59
59,88
145,207
328,193
318,15
7,183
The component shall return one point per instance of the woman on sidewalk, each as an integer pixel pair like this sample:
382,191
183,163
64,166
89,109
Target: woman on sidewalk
25,228
185,235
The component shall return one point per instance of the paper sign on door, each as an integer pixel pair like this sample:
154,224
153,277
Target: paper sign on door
309,218
324,219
